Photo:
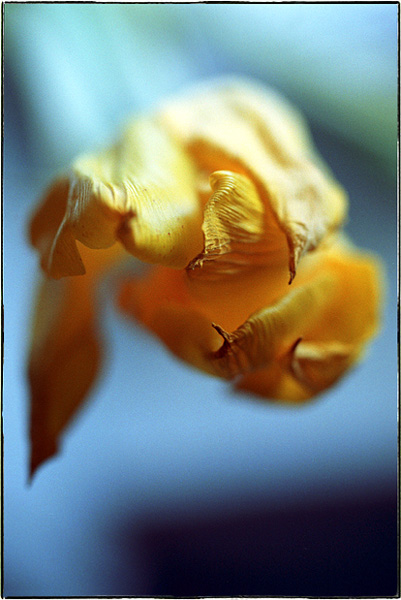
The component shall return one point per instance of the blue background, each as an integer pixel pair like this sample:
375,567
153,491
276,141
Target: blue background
167,482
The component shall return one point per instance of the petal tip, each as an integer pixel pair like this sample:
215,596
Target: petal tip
227,337
41,452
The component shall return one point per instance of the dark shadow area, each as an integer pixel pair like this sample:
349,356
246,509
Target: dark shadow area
346,548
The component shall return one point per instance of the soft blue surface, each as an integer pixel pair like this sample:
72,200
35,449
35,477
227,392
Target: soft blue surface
157,438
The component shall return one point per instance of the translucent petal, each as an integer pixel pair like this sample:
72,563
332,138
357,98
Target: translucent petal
235,237
247,129
141,192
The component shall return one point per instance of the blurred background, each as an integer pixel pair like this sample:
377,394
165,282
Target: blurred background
168,483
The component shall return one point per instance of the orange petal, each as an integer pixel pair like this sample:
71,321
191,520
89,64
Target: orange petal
268,333
162,302
293,348
141,192
247,129
46,221
65,353
336,337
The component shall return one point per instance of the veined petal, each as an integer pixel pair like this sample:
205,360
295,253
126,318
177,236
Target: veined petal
65,352
268,333
252,131
141,192
234,230
290,350
335,339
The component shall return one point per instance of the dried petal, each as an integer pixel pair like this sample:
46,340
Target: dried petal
234,230
142,192
293,348
246,129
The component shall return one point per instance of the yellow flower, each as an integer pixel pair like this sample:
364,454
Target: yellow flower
223,191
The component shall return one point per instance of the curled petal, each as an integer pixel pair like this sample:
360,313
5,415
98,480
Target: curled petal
292,349
267,334
234,230
335,340
249,130
141,192
319,365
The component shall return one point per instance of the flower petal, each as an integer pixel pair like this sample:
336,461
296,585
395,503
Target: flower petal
234,232
292,349
162,302
46,222
65,352
269,333
141,192
319,365
252,131
336,337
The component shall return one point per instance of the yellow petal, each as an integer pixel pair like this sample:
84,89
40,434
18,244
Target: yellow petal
243,128
235,239
65,352
141,192
293,348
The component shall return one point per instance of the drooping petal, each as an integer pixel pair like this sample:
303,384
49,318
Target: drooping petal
141,192
240,127
65,352
293,348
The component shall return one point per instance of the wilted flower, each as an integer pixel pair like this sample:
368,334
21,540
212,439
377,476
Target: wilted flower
223,191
